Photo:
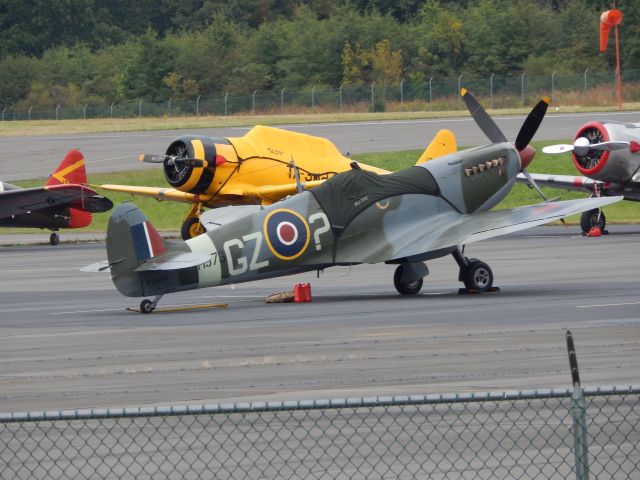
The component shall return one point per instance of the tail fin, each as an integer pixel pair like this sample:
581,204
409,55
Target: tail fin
442,144
131,239
70,170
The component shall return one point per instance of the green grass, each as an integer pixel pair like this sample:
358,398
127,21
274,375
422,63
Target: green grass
168,216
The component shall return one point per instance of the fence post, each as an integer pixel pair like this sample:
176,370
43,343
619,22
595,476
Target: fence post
460,86
401,92
111,109
29,112
169,110
198,105
372,105
579,415
341,85
84,111
140,109
57,109
313,97
585,82
430,94
282,100
3,114
522,87
491,90
253,97
553,86
226,98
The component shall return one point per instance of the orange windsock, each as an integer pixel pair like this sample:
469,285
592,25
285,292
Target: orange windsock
608,19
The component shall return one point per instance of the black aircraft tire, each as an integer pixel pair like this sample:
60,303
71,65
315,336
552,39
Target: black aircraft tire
54,239
589,219
146,306
191,228
478,276
410,288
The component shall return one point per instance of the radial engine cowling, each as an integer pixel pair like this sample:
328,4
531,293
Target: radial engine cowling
607,166
184,176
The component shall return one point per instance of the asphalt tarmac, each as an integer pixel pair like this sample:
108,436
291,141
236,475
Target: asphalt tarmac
29,157
67,340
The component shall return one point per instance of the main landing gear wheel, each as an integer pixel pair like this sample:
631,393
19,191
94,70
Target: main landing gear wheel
592,218
54,239
406,288
478,276
191,228
147,306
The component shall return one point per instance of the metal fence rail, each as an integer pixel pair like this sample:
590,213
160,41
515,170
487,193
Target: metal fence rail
496,91
515,435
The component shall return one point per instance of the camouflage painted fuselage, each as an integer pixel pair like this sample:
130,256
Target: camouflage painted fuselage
336,224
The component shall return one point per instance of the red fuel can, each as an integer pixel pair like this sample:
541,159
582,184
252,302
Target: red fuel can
302,292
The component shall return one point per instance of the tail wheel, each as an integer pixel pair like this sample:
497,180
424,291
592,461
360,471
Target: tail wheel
478,276
592,218
54,239
191,228
406,288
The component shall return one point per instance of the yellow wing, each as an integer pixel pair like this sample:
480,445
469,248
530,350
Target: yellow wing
153,192
443,143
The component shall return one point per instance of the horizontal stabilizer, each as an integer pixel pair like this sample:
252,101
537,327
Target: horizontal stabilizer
174,261
102,266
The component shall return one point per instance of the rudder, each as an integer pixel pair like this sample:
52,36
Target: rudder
131,239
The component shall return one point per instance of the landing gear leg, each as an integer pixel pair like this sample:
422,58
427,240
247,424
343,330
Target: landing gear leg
148,306
476,275
191,227
54,239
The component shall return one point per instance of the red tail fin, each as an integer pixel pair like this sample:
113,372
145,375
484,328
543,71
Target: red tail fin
70,170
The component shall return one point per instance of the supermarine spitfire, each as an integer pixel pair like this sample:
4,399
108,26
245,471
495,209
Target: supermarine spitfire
405,218
607,154
63,202
257,168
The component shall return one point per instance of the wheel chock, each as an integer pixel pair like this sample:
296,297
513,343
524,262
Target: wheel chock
594,232
183,308
471,291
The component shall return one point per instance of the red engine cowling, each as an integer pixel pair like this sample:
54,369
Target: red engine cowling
608,166
189,178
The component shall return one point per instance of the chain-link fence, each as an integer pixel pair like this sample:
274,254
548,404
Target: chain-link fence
437,94
542,434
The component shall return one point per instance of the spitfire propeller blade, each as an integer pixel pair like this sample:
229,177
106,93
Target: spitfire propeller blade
482,118
153,158
531,124
526,133
582,146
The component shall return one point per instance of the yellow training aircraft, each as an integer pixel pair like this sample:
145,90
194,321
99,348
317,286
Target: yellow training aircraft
257,168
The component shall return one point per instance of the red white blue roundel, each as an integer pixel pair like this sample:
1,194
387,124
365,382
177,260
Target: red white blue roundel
287,234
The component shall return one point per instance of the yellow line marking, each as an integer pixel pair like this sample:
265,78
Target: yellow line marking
60,174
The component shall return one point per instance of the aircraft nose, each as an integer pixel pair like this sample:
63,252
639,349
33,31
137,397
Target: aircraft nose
526,156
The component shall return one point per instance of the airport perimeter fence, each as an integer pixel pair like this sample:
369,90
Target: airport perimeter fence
542,434
437,94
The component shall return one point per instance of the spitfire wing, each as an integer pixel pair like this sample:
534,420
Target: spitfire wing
17,202
153,192
422,238
564,182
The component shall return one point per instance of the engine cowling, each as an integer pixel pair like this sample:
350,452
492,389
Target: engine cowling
608,166
186,177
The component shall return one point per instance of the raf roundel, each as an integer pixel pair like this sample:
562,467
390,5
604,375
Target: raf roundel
287,234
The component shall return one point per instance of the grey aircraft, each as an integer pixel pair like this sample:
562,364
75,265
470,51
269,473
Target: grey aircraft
404,218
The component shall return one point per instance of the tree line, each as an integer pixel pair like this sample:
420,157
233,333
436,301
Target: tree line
75,52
